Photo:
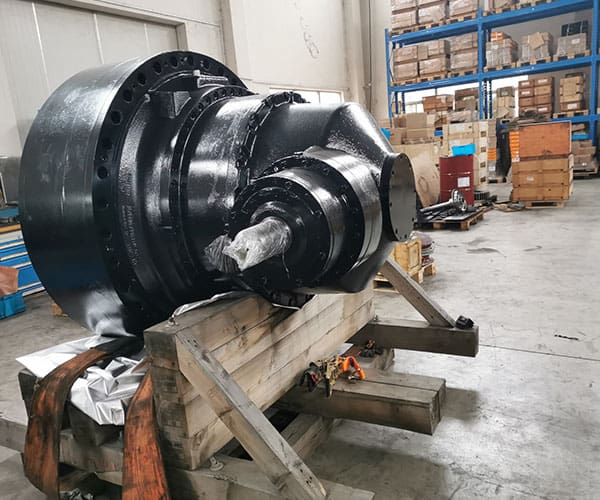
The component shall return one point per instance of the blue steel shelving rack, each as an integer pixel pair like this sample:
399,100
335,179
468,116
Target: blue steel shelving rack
483,25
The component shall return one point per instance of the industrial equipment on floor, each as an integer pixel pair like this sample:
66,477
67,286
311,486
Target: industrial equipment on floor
136,177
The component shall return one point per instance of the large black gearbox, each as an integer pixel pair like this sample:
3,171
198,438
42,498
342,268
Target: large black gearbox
156,182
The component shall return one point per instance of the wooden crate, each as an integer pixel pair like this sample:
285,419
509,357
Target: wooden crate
545,139
543,178
542,193
259,345
563,164
408,255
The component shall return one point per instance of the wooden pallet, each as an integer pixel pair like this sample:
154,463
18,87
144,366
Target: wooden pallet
571,114
499,68
455,74
381,284
493,12
571,56
432,78
461,19
405,82
543,204
533,62
585,174
403,31
463,225
428,26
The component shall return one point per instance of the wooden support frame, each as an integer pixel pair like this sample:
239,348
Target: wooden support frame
204,365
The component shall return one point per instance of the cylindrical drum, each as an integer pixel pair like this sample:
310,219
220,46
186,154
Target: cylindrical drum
456,172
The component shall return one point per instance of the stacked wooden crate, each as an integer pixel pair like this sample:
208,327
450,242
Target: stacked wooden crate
501,51
542,173
406,64
434,59
439,106
536,96
572,94
432,12
584,160
463,9
535,48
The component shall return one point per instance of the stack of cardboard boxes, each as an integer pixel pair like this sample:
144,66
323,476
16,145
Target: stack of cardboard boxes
413,128
480,134
428,59
439,106
536,96
536,47
504,103
572,97
584,160
543,171
501,50
463,54
404,15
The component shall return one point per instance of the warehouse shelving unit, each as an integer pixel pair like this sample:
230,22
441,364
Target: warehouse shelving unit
483,25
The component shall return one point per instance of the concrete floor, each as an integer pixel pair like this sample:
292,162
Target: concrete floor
521,420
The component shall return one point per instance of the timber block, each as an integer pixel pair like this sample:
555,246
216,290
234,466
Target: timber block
264,348
410,402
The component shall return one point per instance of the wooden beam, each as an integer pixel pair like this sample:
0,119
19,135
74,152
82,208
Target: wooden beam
415,295
419,336
237,480
273,455
399,400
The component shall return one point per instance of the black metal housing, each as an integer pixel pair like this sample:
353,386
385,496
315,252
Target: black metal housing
131,170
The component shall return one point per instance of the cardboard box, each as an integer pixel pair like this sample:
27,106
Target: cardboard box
434,65
412,120
545,139
404,20
501,4
402,5
419,133
463,42
572,45
466,105
407,71
464,61
433,48
525,84
462,7
406,54
397,135
462,116
466,93
433,14
535,46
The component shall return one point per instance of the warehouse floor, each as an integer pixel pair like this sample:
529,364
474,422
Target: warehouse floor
520,420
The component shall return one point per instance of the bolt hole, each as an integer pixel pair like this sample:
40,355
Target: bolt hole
189,60
116,117
102,172
157,67
141,78
173,61
127,95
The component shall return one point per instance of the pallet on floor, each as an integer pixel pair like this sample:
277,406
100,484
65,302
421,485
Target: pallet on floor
380,283
585,174
571,56
544,204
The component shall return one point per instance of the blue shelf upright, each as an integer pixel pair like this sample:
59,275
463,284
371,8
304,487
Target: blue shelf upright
483,25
